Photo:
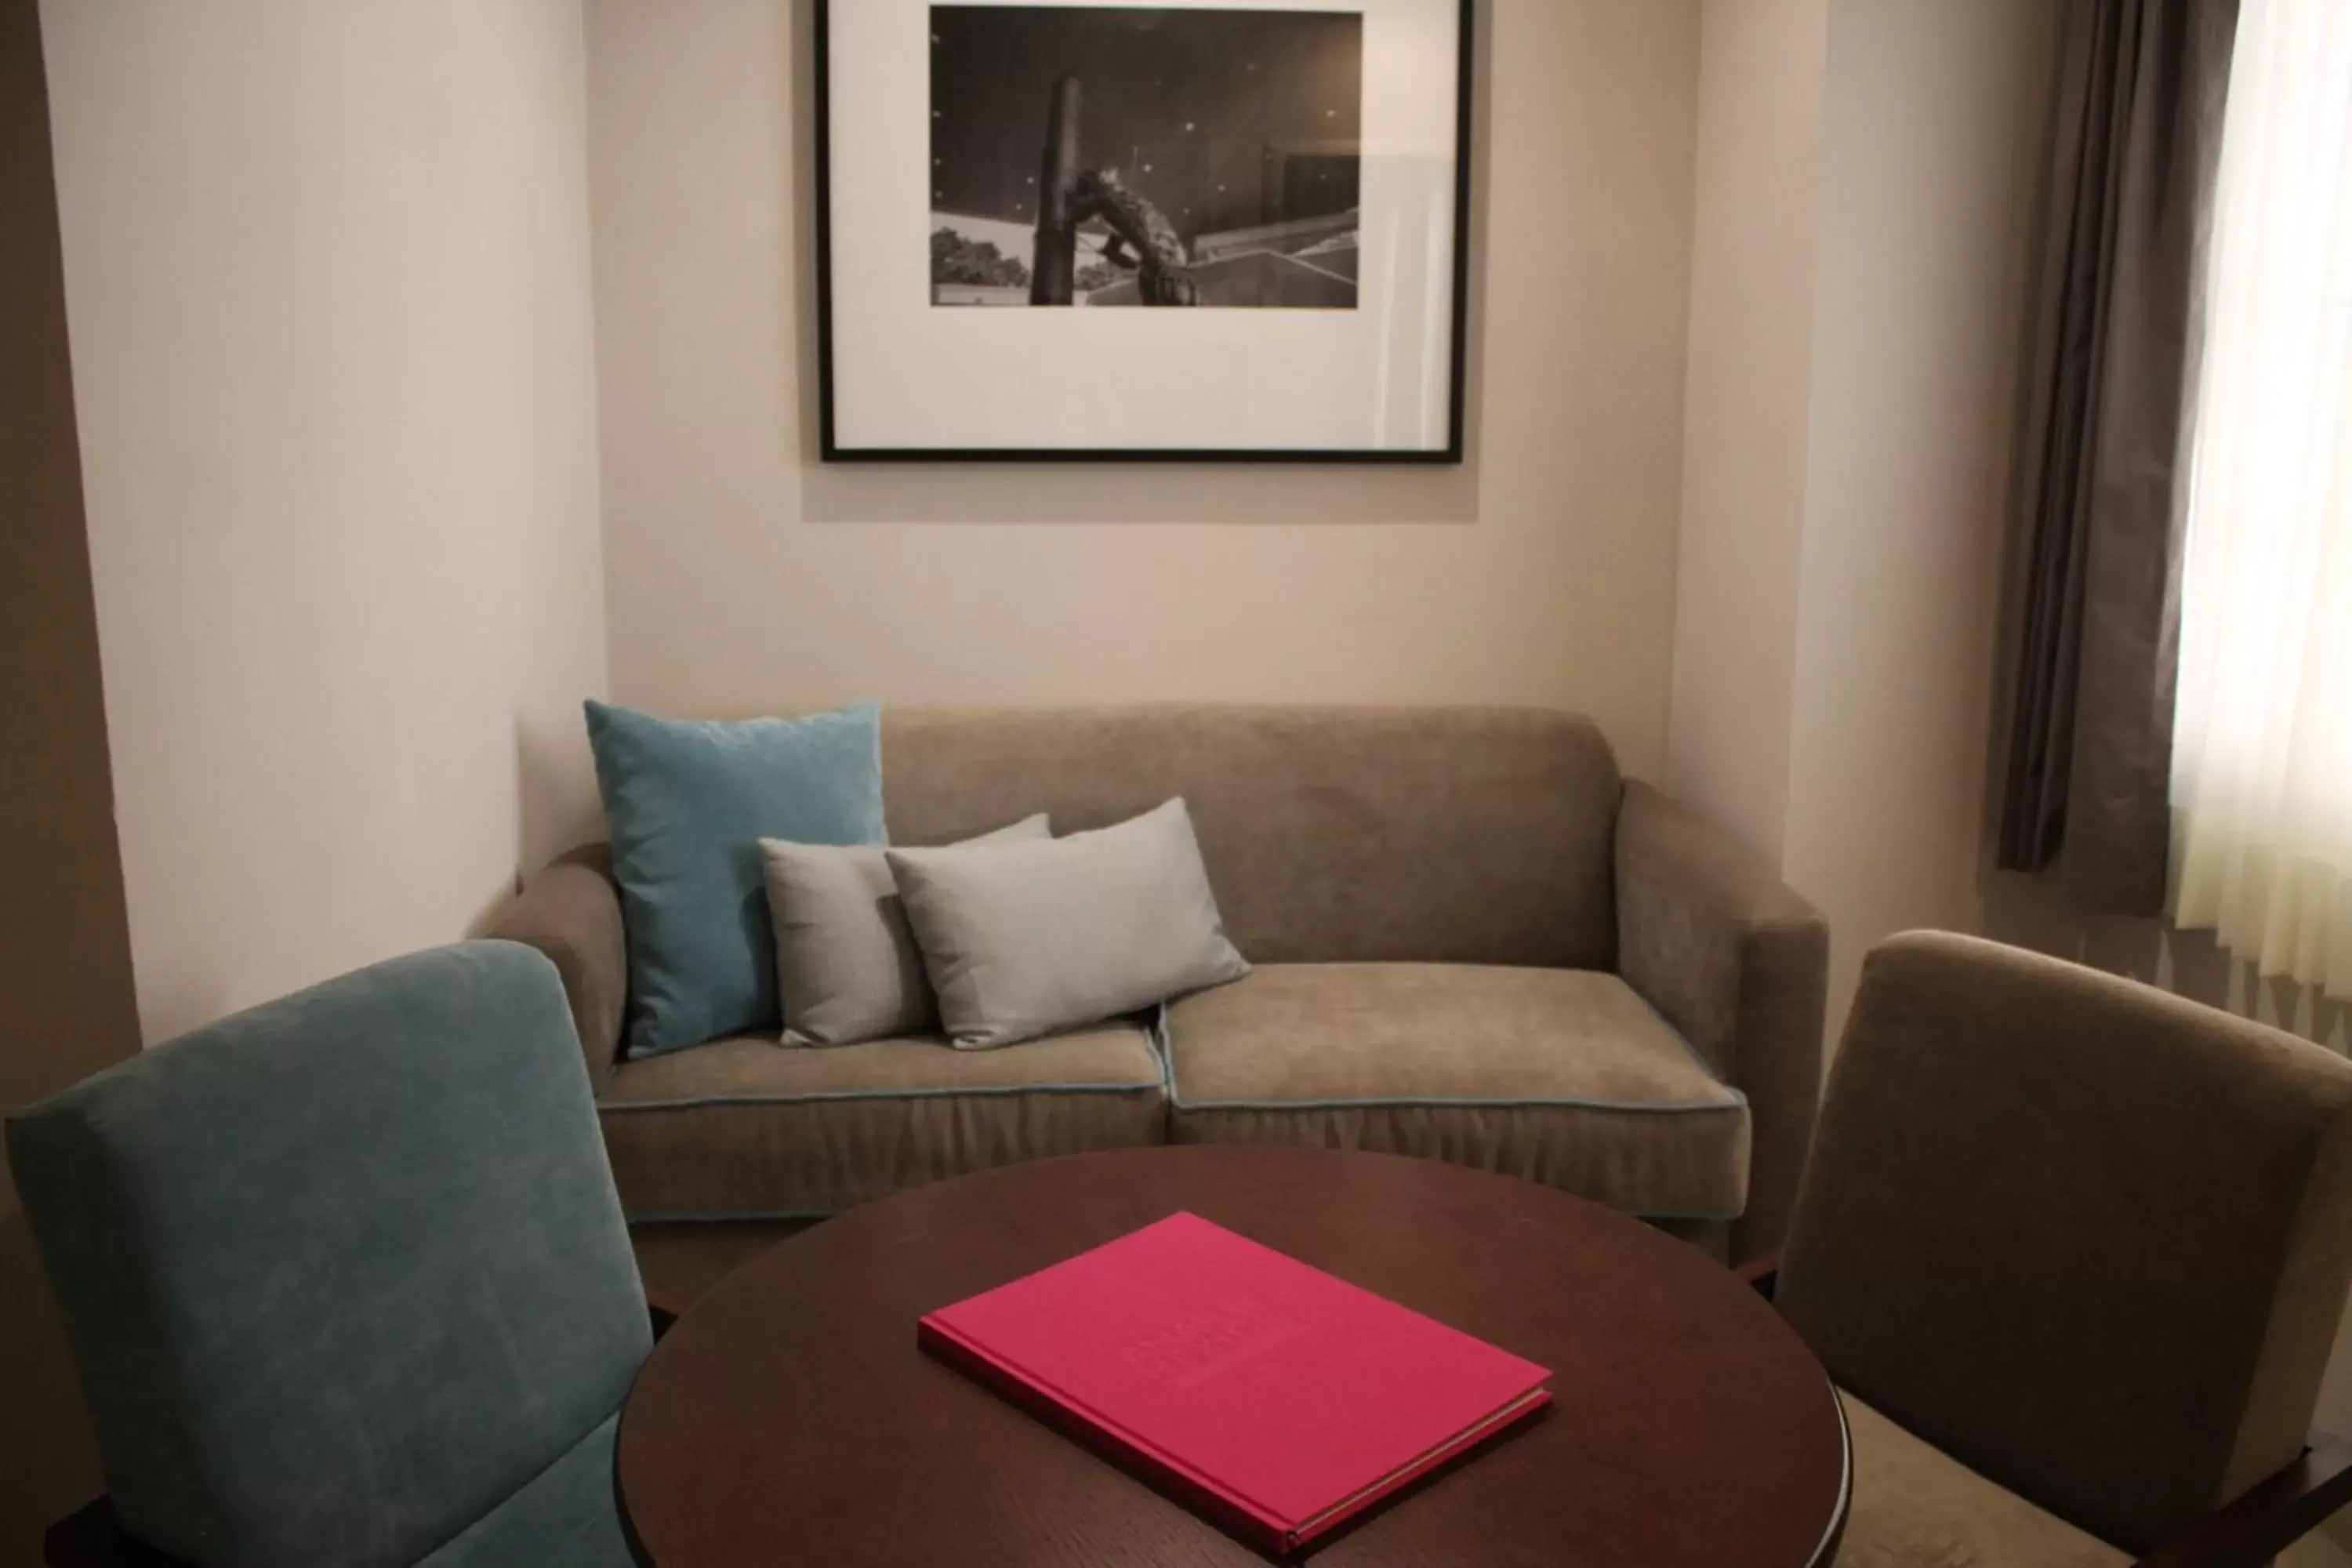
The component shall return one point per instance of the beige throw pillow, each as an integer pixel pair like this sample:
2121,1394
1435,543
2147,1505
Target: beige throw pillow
1021,940
846,967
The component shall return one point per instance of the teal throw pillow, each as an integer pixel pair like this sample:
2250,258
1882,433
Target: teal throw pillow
687,802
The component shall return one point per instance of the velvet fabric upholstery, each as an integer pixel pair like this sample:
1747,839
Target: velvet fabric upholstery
1915,1508
1739,965
1021,940
572,912
688,803
1558,1076
1331,835
345,1273
748,1129
2089,1239
1440,836
563,1518
847,968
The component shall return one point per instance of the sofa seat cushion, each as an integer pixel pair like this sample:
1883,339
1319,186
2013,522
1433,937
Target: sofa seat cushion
567,1514
1916,1506
1560,1076
746,1128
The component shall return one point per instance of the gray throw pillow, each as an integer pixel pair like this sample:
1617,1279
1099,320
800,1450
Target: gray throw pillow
846,967
1021,940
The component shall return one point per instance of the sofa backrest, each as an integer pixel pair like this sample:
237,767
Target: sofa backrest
1332,833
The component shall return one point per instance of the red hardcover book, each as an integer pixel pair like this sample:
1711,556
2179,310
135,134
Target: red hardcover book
1275,1398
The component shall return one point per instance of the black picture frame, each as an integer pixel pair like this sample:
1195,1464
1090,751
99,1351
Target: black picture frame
832,450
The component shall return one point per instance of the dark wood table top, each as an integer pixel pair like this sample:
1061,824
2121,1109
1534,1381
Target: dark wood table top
788,1418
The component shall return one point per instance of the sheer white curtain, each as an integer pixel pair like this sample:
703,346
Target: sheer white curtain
2261,780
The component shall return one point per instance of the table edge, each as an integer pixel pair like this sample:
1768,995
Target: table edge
1825,1551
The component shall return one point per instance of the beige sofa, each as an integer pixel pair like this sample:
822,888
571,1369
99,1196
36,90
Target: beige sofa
1473,942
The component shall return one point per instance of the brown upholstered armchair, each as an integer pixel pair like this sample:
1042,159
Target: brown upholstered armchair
2074,1251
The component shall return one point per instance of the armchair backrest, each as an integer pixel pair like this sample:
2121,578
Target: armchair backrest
2088,1239
343,1272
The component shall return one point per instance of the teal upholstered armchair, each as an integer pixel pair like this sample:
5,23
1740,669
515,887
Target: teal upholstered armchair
346,1279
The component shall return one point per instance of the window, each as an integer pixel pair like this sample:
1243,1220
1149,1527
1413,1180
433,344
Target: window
2261,780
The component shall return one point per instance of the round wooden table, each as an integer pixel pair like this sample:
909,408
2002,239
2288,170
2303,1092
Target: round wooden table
788,1418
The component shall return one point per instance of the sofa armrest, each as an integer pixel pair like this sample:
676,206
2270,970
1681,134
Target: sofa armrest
1734,959
572,912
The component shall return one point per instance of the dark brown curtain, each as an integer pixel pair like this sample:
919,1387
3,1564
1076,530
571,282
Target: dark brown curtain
2138,138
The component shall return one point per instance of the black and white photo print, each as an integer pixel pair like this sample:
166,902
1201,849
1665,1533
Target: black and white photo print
1276,191
1123,155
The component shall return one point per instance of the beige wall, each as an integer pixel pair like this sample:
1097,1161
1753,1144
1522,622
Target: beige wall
327,274
1868,184
744,576
1925,205
1932,168
1762,65
65,950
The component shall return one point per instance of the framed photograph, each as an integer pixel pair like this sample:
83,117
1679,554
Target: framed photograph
1144,230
